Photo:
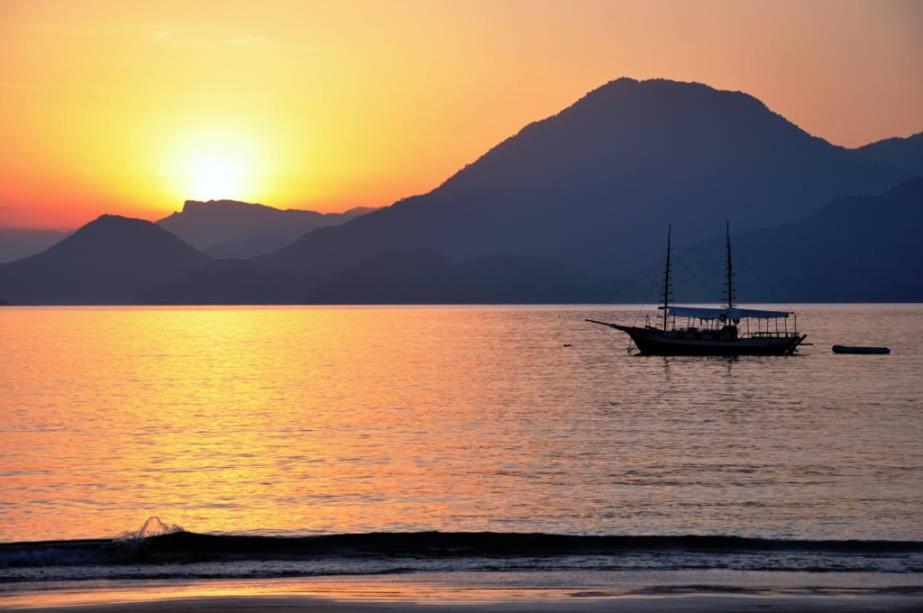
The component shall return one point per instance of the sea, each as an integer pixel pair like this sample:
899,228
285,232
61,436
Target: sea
180,443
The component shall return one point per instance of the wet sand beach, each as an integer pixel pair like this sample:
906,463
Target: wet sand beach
688,591
693,603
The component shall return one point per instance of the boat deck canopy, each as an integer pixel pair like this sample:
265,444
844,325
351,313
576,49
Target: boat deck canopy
734,313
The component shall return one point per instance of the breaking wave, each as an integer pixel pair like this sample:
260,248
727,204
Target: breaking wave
162,551
152,527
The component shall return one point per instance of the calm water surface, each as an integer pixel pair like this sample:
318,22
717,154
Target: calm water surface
308,420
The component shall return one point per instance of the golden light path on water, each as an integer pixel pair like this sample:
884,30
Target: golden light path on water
303,420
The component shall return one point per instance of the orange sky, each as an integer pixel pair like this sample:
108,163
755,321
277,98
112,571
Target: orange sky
133,106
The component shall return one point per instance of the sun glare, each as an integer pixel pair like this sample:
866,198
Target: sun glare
213,177
213,165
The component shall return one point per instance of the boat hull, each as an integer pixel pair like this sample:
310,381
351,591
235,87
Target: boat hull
861,350
654,341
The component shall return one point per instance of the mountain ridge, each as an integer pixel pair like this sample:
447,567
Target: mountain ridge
573,201
237,229
18,243
585,185
108,260
821,257
905,153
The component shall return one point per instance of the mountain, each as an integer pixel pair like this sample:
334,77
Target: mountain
231,229
18,243
594,186
227,282
108,261
903,153
857,249
426,277
552,214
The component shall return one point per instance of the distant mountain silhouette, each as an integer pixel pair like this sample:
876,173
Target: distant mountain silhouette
591,186
16,243
903,153
228,282
232,229
109,260
857,249
861,248
571,209
426,277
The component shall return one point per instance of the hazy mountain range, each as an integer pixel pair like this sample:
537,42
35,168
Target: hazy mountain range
110,260
860,248
232,229
902,153
16,243
573,208
219,228
594,186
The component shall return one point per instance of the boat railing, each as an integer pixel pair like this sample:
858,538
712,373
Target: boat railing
772,334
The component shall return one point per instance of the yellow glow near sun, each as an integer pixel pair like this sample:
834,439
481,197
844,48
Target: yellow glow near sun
214,175
220,162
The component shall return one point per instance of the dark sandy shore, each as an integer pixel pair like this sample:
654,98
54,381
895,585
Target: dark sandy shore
690,592
693,604
688,604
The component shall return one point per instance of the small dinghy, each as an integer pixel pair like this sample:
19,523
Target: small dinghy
854,349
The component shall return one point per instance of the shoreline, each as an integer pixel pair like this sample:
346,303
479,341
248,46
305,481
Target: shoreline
686,604
652,592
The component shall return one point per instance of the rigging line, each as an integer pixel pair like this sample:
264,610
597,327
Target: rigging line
643,291
764,282
707,287
647,289
643,272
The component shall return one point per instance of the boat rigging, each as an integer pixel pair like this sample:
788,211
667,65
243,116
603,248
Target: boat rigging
713,331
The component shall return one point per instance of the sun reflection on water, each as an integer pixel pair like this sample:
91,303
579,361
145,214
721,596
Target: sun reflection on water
348,419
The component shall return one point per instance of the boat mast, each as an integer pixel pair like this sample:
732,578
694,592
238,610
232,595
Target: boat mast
666,280
730,267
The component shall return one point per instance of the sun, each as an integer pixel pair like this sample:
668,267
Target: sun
215,176
214,164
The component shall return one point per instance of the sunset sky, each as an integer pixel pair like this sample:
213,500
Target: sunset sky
132,107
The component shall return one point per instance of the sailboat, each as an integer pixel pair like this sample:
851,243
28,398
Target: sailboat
727,330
